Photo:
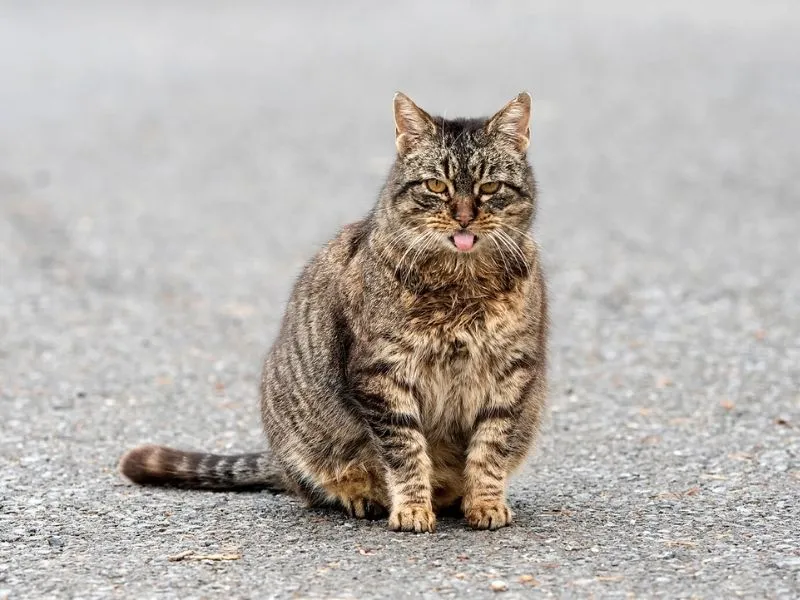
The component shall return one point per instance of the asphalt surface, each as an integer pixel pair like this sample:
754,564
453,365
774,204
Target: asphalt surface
165,172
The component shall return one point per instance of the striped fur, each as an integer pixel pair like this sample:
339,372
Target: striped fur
159,465
408,376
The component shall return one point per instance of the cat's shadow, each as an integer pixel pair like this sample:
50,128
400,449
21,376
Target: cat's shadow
541,518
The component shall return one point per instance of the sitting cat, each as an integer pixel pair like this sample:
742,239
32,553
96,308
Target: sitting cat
409,374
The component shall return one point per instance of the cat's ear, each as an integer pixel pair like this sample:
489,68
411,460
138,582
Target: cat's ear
410,123
513,122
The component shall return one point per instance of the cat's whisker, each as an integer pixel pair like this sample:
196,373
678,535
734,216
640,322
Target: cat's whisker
512,246
406,273
422,251
514,228
499,251
409,249
526,234
512,242
402,236
518,248
505,246
431,238
416,241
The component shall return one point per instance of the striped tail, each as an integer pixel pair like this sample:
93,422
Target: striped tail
162,466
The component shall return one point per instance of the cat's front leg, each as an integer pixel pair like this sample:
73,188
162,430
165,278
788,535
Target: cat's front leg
486,470
392,413
503,431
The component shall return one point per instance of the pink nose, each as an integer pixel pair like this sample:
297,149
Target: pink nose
464,211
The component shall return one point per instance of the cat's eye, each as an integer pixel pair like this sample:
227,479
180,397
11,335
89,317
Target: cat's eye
437,186
490,187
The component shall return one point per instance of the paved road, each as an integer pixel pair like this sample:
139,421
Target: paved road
165,172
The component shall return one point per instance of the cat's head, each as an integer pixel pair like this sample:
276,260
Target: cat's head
461,186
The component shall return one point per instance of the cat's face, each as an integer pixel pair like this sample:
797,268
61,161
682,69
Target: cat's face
464,185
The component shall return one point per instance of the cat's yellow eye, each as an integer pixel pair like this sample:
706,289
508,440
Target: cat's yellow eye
490,187
437,186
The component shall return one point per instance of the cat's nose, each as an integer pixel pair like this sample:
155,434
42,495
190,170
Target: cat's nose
464,211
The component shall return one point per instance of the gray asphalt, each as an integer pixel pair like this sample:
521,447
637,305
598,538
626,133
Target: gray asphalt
166,170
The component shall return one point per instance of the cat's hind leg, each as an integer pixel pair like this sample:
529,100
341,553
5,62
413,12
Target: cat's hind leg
358,490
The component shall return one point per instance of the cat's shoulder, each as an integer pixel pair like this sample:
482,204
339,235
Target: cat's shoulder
346,244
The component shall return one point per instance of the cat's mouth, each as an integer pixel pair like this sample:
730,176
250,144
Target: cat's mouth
463,241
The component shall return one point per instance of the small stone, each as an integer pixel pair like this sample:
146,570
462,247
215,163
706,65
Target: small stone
498,585
663,381
62,403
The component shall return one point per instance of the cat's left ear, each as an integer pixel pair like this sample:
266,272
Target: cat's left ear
513,122
410,123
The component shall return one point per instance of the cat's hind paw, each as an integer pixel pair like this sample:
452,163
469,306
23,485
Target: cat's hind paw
362,508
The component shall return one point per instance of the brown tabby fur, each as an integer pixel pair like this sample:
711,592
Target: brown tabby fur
408,376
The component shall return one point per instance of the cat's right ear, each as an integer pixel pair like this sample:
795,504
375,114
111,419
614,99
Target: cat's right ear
410,123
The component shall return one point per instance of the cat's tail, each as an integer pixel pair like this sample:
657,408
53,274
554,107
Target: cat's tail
162,466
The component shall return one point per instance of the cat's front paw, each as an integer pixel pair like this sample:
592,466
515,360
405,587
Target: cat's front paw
488,514
418,518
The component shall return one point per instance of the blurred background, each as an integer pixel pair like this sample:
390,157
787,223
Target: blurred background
167,168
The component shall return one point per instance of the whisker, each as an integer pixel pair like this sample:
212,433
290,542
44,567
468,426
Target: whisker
511,249
500,252
422,238
387,249
402,236
423,248
526,234
411,247
513,246
501,240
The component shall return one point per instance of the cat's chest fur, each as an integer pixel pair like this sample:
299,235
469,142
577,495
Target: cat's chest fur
454,352
451,378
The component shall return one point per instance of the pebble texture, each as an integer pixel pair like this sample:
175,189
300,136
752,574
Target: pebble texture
167,168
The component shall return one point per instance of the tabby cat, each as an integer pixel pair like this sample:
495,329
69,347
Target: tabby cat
409,374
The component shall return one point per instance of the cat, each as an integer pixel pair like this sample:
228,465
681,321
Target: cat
409,373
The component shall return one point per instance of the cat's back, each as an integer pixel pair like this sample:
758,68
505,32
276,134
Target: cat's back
314,331
305,363
320,281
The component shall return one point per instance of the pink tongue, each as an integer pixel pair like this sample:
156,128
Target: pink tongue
464,241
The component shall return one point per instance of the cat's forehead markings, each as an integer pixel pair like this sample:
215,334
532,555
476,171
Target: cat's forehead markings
478,166
450,165
482,173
